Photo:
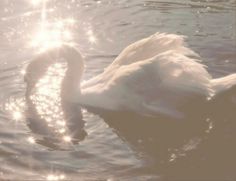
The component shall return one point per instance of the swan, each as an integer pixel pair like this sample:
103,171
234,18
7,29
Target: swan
158,75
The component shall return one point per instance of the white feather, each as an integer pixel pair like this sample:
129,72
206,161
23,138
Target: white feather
155,75
158,75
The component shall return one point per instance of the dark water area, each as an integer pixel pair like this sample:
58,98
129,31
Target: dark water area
36,144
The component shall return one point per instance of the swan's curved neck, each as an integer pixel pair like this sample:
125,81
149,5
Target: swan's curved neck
70,87
70,90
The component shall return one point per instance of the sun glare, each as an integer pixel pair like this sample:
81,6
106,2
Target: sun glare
53,177
37,2
31,140
23,72
16,108
91,37
70,21
51,35
67,138
17,115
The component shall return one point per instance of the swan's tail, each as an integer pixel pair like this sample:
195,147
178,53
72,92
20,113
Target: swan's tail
224,99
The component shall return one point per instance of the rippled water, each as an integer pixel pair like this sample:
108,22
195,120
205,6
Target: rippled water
100,30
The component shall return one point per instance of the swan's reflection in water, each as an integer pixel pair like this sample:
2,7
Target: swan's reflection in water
49,115
194,148
164,139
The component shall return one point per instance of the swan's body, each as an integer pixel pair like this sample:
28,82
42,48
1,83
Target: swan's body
158,75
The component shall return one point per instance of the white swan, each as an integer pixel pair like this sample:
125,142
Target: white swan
157,75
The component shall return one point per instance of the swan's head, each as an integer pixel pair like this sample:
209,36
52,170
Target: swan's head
68,54
70,88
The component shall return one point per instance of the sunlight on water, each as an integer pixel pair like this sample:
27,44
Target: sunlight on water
52,34
16,108
17,115
42,134
23,72
91,37
52,177
46,99
67,138
55,32
31,140
36,2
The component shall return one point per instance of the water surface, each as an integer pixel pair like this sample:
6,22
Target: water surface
100,29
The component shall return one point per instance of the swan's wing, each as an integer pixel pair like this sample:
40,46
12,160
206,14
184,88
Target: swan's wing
152,46
143,50
159,85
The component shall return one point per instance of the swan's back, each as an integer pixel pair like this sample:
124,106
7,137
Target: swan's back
152,46
156,75
142,50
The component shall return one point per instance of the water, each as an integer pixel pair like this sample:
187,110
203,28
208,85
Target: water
100,30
